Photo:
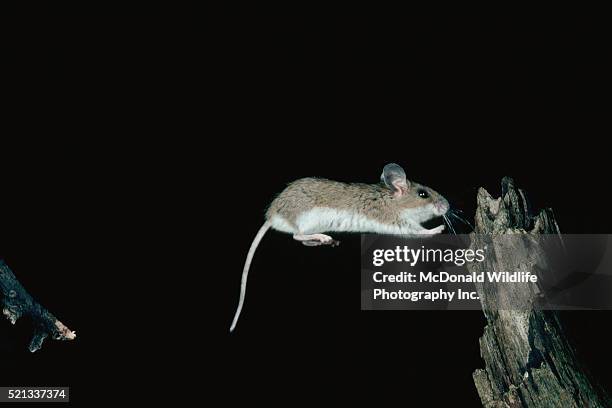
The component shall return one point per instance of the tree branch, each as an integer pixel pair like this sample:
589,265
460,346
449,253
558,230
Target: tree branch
16,302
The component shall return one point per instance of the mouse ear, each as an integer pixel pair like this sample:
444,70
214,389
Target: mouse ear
395,178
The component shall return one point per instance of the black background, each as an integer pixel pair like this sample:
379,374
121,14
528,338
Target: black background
459,108
141,155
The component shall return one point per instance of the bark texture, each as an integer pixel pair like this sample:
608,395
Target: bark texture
16,302
528,359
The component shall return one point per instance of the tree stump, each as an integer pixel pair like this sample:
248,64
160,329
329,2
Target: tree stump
529,362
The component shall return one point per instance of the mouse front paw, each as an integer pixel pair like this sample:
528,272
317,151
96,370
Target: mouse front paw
434,231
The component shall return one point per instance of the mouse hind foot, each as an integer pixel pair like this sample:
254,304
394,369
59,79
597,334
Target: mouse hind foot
316,239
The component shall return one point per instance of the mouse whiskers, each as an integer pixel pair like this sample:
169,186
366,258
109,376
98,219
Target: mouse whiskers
450,224
463,220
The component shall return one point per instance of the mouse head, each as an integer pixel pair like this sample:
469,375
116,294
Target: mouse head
409,194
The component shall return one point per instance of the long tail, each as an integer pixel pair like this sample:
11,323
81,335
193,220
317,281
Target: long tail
245,272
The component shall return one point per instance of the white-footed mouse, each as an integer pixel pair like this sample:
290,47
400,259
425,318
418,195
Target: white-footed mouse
309,207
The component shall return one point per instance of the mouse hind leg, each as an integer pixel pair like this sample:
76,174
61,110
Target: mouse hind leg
309,222
316,239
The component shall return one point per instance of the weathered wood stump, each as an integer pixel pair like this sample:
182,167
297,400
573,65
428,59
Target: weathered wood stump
529,362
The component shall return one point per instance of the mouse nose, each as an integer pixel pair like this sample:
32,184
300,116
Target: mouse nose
442,206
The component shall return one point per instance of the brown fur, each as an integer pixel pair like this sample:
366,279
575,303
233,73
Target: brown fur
375,201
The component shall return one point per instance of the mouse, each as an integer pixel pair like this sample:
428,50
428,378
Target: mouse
310,207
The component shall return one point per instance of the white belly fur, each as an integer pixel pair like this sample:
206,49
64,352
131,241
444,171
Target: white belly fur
322,219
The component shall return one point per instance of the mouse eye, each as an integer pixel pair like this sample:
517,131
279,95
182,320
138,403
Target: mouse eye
423,194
